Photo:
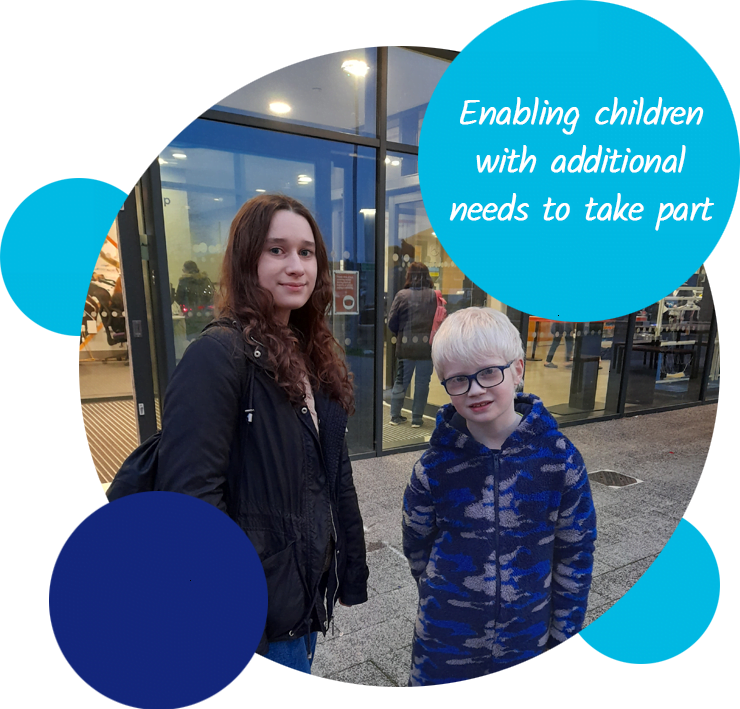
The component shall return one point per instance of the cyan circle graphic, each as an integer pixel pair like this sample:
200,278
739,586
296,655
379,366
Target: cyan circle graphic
66,221
505,110
158,600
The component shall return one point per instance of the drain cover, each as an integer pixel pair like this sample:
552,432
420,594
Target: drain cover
612,478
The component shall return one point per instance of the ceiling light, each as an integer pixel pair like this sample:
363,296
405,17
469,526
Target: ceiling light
304,179
218,199
260,190
395,162
163,162
182,156
356,67
387,161
279,107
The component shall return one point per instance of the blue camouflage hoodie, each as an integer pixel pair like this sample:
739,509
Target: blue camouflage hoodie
501,544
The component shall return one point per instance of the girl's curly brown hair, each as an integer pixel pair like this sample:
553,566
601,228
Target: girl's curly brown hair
306,345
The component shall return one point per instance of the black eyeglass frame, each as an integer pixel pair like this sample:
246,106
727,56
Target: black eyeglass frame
501,367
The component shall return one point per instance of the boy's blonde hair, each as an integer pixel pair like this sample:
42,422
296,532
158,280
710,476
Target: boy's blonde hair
475,334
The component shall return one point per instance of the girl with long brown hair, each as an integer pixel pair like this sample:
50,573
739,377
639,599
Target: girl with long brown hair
254,422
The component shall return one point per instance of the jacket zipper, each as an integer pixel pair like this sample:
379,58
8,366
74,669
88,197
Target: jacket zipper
336,565
496,473
336,552
336,538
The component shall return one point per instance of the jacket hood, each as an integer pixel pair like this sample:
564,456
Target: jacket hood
197,276
331,414
451,432
230,332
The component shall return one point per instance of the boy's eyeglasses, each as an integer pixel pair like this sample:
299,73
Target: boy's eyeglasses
486,378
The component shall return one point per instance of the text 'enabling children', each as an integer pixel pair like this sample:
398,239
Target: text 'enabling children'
591,160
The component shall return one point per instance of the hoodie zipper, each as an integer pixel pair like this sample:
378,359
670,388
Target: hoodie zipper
496,473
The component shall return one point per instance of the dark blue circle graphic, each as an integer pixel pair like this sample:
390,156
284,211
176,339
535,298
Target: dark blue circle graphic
158,600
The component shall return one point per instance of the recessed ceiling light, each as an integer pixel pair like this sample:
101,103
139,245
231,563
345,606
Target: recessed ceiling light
356,67
304,179
279,107
218,199
182,156
260,190
395,162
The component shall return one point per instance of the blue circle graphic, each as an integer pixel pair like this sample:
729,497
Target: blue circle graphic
572,104
158,600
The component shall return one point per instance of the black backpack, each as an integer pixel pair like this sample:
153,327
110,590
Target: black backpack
204,294
139,471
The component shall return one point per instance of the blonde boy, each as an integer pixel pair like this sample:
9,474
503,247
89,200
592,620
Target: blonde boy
498,520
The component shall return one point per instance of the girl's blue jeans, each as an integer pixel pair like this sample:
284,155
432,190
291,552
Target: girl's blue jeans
296,654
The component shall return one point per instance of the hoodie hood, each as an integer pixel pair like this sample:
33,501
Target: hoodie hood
196,277
452,432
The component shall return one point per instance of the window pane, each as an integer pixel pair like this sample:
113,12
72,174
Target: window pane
220,167
669,347
713,382
412,77
570,366
407,358
336,92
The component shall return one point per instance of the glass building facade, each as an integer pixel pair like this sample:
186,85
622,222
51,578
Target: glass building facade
340,133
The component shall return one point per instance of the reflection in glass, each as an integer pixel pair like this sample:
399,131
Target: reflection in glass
713,381
669,347
570,366
335,92
412,77
220,167
410,241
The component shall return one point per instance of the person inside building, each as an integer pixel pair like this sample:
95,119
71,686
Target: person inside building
411,318
558,330
255,418
195,294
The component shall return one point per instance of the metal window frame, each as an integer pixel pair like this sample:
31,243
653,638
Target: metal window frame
381,106
446,54
292,128
132,276
708,357
626,359
164,334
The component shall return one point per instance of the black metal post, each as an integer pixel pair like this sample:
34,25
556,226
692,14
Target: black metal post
381,106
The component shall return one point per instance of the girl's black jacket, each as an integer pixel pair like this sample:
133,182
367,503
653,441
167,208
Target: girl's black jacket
289,488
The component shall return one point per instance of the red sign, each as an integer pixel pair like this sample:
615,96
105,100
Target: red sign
346,293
